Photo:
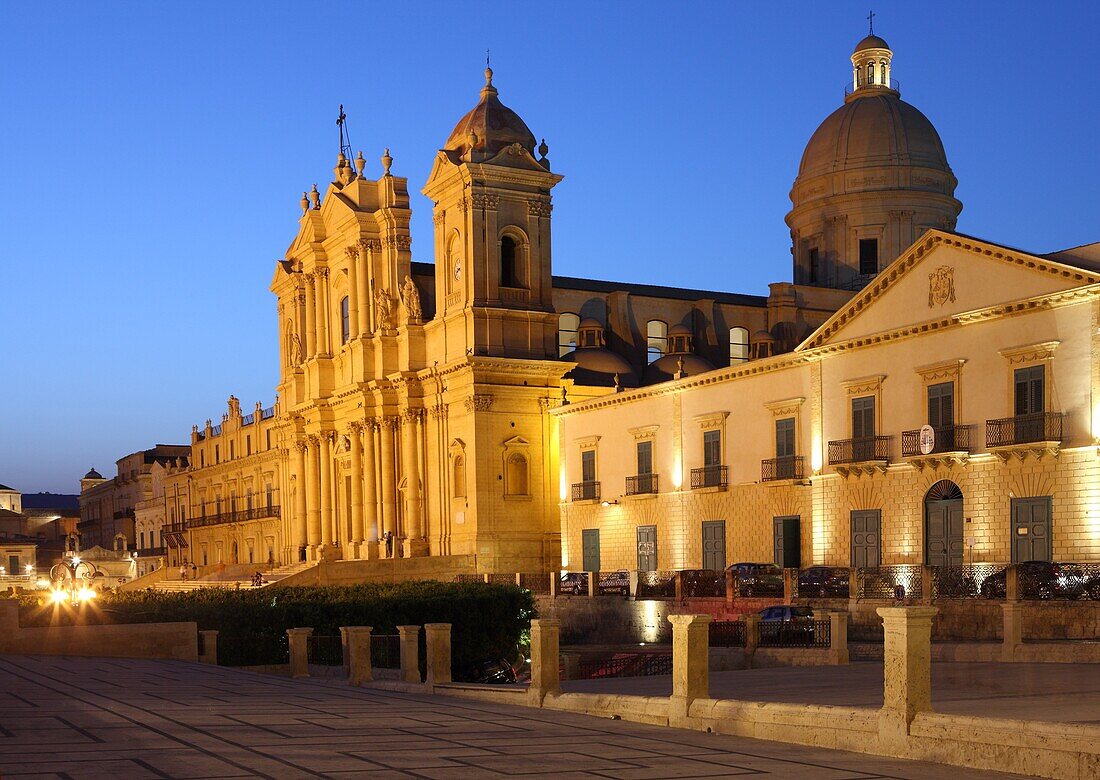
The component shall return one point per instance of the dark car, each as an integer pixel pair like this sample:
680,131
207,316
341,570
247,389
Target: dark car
1041,580
823,582
758,579
784,625
496,671
573,583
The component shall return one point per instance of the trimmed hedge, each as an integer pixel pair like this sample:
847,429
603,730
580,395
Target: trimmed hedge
487,620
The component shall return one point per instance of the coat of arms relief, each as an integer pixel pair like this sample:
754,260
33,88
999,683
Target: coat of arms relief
941,286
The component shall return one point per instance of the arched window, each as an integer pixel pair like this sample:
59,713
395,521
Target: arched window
345,320
567,332
739,345
656,333
516,484
870,73
459,468
509,276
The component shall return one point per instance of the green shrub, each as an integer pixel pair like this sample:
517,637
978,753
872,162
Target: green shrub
487,620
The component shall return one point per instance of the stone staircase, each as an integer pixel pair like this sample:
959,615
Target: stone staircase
270,578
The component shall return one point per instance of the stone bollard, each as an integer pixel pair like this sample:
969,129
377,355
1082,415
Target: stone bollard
209,654
907,671
299,651
1013,637
1012,583
571,666
790,585
593,580
838,637
357,653
634,584
410,653
731,587
555,584
752,636
926,575
853,584
690,665
437,641
545,672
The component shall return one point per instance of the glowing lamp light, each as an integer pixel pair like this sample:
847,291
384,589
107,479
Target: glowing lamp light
57,596
29,568
86,594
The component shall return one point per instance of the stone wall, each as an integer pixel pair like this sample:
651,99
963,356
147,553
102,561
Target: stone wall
437,567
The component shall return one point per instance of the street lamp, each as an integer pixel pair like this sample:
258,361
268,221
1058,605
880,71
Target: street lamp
72,580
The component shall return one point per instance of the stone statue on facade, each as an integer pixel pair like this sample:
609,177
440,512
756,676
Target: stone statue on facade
383,307
411,298
297,354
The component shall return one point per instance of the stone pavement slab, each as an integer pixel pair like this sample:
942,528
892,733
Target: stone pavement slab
114,718
1066,693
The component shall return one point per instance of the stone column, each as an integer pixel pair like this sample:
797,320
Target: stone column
752,636
300,523
326,489
690,664
353,291
389,486
414,505
313,494
299,651
356,489
437,642
927,574
838,637
790,585
409,639
907,668
1013,612
209,653
357,654
366,305
321,298
311,317
370,498
545,671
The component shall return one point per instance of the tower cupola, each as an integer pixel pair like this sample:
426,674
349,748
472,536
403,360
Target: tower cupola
871,66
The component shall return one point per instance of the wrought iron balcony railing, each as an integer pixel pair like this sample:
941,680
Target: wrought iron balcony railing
1024,429
864,449
710,476
586,491
787,467
953,438
239,516
641,484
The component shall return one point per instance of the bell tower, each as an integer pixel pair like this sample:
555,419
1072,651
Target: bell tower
492,236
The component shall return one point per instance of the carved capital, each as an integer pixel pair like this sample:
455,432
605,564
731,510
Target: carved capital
370,244
352,252
372,424
412,415
401,243
437,219
302,445
484,200
464,205
354,427
539,208
438,411
481,402
322,273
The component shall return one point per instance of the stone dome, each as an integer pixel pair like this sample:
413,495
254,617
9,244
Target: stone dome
489,126
871,42
664,368
597,367
93,474
870,131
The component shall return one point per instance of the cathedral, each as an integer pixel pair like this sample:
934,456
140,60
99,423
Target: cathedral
480,414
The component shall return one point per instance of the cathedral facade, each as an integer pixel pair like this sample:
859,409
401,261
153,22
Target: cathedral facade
482,412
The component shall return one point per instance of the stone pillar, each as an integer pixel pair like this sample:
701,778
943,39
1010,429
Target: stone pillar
326,489
593,581
357,653
926,575
299,651
389,487
321,297
555,584
678,585
313,493
690,664
437,642
907,668
414,506
209,653
731,587
545,671
571,666
311,317
752,635
790,585
838,637
1013,637
353,291
356,489
853,584
1012,583
370,497
364,291
300,522
409,639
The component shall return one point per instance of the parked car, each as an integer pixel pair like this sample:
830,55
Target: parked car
573,583
496,671
823,582
1043,580
785,625
758,579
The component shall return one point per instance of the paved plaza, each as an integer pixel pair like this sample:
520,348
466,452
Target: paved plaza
1068,693
119,718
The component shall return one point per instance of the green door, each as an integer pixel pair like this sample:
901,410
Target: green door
787,541
590,549
1031,529
714,545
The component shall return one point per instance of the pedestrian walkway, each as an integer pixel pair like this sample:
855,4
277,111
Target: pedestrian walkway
91,718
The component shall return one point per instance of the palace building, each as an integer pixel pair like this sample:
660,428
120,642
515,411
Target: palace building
913,394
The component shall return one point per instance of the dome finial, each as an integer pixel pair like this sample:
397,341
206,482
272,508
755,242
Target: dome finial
488,71
871,23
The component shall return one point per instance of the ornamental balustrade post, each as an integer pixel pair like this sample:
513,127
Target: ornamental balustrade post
907,670
409,643
437,641
299,651
357,653
545,669
690,665
1013,623
838,637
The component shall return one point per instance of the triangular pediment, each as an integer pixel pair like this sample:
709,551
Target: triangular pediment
944,275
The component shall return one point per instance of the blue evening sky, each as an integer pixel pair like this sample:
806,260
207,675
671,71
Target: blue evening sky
154,154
